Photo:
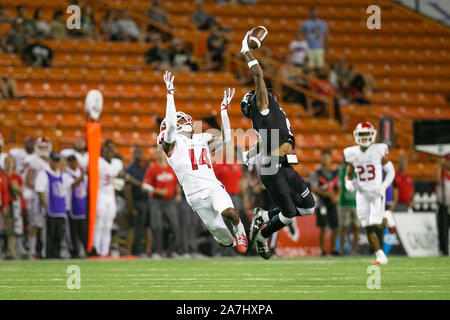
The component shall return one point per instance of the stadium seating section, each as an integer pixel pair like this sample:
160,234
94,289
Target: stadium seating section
409,59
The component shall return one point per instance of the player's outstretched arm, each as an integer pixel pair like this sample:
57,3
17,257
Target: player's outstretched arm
171,117
217,143
262,99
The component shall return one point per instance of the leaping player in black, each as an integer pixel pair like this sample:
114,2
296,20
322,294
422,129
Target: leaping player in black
276,144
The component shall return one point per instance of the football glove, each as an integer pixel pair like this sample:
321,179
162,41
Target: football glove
168,79
245,47
227,96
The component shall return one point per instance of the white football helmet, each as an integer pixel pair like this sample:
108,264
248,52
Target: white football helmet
93,104
365,134
184,123
43,147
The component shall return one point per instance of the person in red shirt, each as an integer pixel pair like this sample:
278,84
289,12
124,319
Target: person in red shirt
163,206
14,214
403,187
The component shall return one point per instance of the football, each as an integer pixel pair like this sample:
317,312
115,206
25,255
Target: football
257,37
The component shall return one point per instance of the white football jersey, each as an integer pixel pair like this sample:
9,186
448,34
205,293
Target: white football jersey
107,172
190,159
367,164
19,156
82,158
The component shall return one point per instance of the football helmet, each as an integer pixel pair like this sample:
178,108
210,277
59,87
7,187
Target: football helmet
43,147
365,134
184,123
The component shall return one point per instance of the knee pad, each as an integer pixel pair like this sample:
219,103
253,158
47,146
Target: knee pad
306,212
285,220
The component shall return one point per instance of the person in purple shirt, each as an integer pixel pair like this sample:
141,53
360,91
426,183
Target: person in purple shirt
52,196
76,184
315,31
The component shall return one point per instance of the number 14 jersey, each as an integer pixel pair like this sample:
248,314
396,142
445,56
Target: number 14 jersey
367,164
190,159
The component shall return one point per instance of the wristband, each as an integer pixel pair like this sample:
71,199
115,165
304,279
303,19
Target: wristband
170,91
252,63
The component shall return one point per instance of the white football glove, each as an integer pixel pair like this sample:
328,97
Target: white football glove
350,185
168,79
381,191
245,47
245,158
227,96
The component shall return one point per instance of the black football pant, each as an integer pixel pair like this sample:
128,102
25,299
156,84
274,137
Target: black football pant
290,194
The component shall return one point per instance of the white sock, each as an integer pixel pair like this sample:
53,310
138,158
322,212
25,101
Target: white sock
260,237
106,242
32,244
265,216
380,254
239,228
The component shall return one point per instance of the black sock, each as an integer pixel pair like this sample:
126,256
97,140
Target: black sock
272,213
273,226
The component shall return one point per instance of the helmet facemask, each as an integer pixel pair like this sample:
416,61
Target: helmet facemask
365,136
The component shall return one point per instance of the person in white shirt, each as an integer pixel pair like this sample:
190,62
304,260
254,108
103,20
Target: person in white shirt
128,28
298,49
34,163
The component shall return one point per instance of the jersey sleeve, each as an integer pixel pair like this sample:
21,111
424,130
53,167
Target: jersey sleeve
383,149
41,181
349,155
117,165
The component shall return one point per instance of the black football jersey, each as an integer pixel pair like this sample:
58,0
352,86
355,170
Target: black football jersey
275,119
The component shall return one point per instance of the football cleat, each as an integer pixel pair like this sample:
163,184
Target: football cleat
257,223
263,249
241,243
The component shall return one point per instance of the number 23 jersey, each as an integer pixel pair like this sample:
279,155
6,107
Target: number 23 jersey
190,159
367,164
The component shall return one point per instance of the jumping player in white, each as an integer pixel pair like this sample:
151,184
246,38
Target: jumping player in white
369,159
189,156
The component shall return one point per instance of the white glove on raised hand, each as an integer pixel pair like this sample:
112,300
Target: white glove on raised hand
168,79
227,96
245,47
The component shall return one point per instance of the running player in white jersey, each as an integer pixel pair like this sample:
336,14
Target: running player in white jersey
189,156
34,163
369,159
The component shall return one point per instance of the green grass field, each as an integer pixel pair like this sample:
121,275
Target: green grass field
227,278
